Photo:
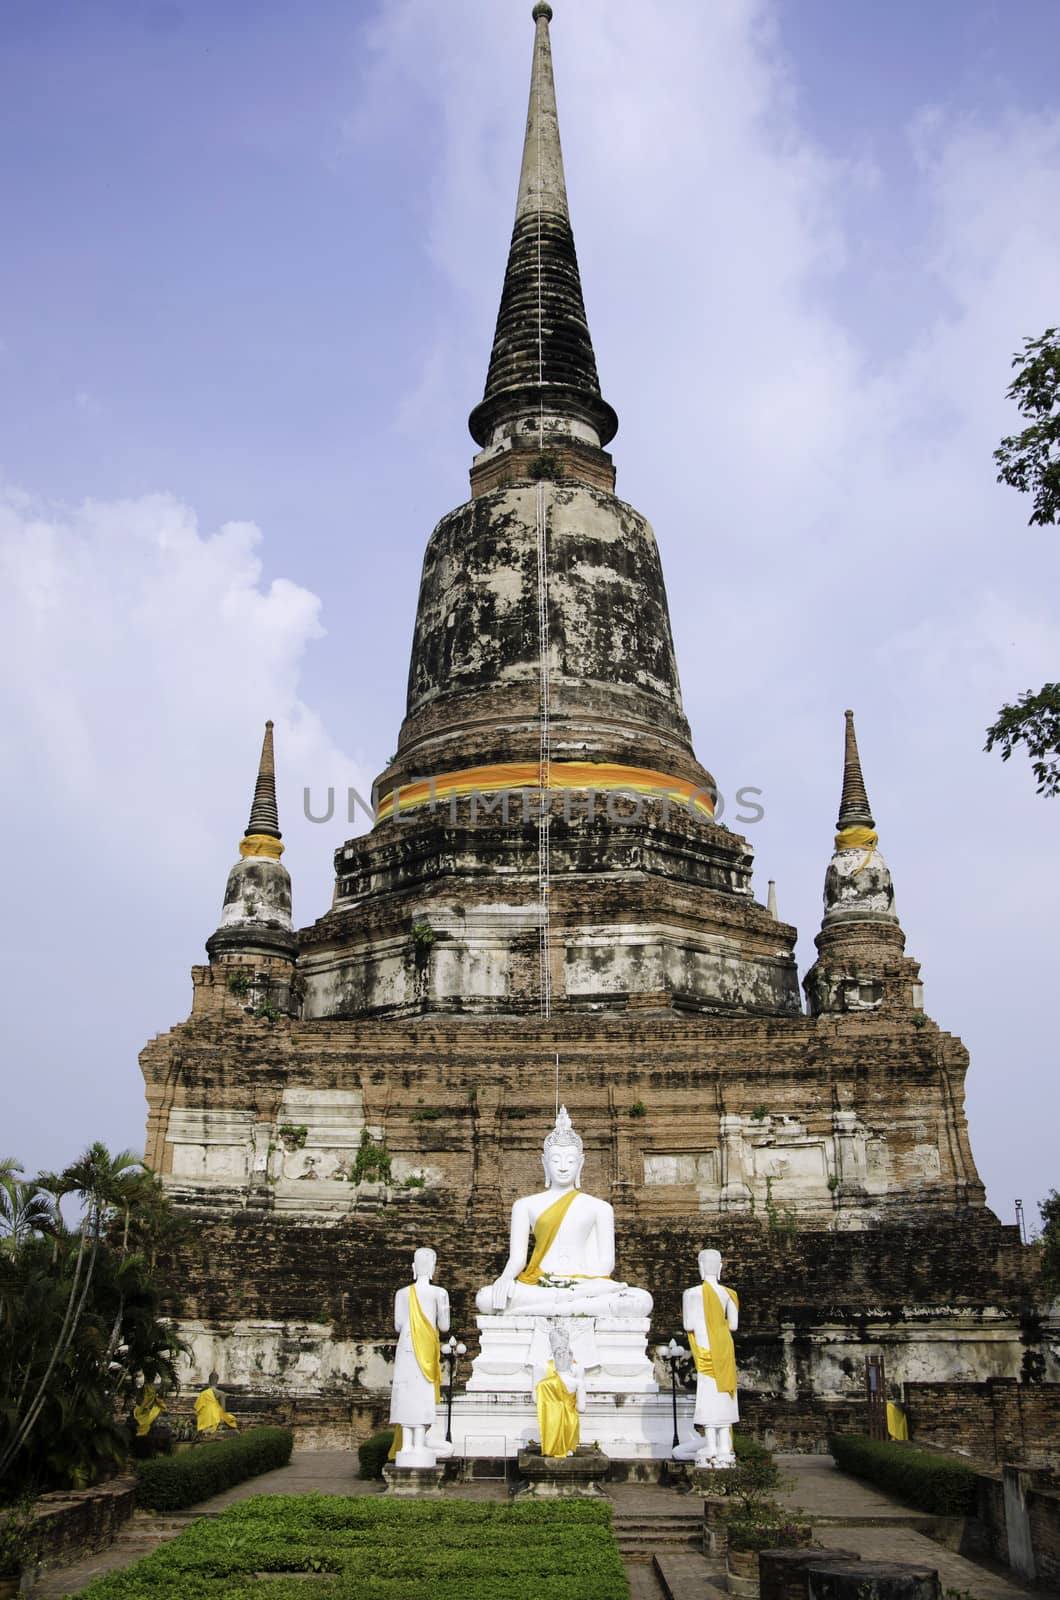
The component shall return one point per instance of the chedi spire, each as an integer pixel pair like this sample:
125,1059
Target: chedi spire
542,383
858,884
256,915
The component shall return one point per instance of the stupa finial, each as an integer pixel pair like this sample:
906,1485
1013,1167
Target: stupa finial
854,806
542,374
262,837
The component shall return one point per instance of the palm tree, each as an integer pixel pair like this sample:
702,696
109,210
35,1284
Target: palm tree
104,1183
25,1209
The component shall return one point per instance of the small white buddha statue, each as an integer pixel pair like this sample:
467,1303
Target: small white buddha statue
421,1311
710,1317
568,1272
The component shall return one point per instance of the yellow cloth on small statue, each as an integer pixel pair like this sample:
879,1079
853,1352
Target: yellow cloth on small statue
545,1230
209,1413
858,839
897,1425
145,1413
396,1442
719,1362
557,1415
425,1343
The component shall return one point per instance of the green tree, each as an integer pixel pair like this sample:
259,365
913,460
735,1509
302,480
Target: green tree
1034,721
1050,1210
1030,462
79,1317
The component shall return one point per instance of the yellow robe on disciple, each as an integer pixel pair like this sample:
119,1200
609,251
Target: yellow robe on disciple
209,1413
718,1361
557,1415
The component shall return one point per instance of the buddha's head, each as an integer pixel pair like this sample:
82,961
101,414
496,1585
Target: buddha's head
424,1263
559,1348
710,1263
564,1154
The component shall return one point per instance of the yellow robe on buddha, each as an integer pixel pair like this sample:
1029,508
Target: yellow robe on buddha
209,1413
150,1408
545,1230
557,1415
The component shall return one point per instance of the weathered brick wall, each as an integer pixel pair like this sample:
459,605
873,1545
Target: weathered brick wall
72,1524
996,1421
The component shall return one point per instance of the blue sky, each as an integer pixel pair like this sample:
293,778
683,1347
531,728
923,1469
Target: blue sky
251,265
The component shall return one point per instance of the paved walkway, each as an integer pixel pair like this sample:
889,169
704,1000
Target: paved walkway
852,1515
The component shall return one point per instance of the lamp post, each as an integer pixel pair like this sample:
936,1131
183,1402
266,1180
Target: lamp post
672,1353
452,1351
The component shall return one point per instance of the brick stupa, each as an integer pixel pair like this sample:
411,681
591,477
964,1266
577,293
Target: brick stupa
545,880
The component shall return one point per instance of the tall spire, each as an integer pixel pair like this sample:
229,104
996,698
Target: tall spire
854,805
542,380
264,818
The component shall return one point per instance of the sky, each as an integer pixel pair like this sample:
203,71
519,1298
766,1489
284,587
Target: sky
251,264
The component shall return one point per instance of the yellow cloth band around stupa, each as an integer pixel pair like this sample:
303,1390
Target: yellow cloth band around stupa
858,839
523,775
261,844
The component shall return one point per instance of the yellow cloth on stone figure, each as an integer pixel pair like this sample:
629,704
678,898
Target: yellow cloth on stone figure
858,839
719,1362
209,1413
425,1343
897,1425
145,1413
557,1415
545,1230
396,1442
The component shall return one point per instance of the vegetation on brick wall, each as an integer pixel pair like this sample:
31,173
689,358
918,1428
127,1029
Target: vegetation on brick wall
171,1482
934,1483
373,1548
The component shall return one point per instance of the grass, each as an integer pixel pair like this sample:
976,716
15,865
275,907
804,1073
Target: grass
374,1548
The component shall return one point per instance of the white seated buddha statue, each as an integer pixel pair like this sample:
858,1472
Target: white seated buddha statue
568,1272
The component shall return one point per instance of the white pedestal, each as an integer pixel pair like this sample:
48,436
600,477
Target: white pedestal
613,1351
627,1427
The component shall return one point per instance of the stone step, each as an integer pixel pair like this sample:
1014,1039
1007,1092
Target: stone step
689,1578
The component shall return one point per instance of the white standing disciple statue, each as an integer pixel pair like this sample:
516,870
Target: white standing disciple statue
421,1313
710,1317
568,1272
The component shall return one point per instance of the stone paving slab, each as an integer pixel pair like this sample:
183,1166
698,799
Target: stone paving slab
955,1572
689,1577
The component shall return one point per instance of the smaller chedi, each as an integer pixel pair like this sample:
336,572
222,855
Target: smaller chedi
710,1315
559,1393
568,1272
421,1314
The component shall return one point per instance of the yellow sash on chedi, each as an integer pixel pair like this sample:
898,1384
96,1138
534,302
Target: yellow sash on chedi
557,1415
425,1343
545,1230
719,1362
517,776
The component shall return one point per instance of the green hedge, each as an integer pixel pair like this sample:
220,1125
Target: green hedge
934,1483
168,1483
373,1452
374,1548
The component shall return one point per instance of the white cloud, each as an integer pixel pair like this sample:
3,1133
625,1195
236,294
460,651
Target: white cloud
139,658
